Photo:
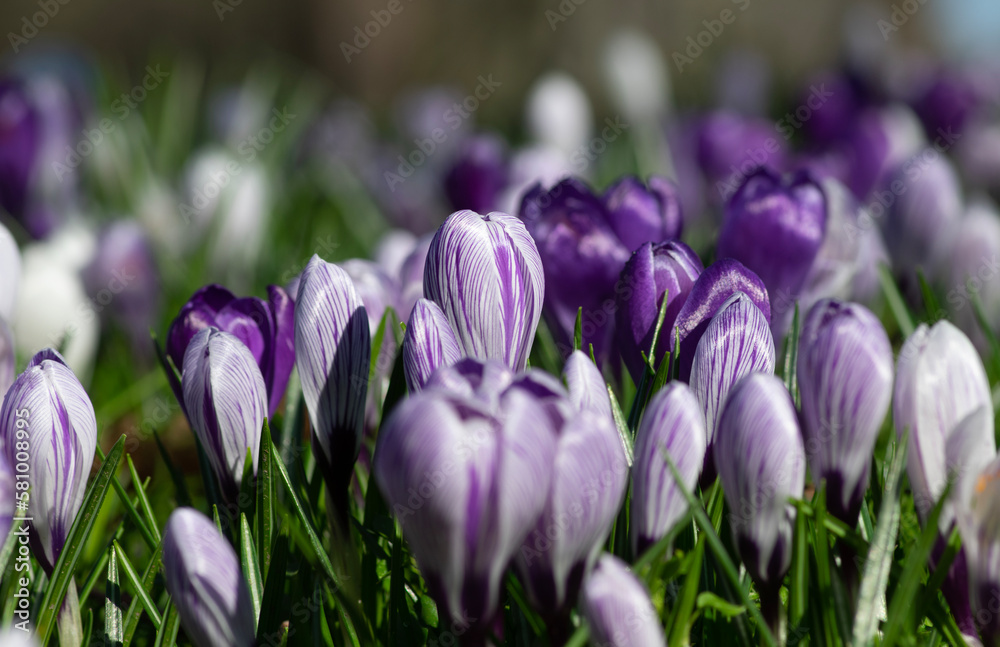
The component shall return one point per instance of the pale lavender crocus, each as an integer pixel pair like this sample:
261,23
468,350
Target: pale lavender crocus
429,343
979,523
618,609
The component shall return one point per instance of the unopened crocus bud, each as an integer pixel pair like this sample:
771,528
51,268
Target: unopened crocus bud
979,523
10,272
641,214
672,425
467,479
761,462
881,139
20,142
655,272
775,227
845,385
485,274
205,583
479,175
429,344
736,343
226,402
587,389
970,265
48,422
710,291
925,205
332,354
618,609
582,259
265,327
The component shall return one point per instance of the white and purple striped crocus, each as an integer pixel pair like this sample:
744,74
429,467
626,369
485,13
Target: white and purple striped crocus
226,403
845,385
467,475
48,412
656,271
761,462
979,522
485,274
429,344
333,357
205,583
672,425
618,609
586,386
942,399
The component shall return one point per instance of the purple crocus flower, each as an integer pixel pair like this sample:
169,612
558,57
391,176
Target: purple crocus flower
20,140
730,147
949,101
205,583
654,273
49,408
429,344
638,214
979,522
618,609
225,401
881,139
479,174
587,389
265,327
845,384
673,424
736,343
485,274
8,492
467,477
761,462
775,228
968,268
710,291
333,355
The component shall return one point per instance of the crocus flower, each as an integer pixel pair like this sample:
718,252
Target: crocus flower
736,343
587,389
467,478
8,492
673,424
10,270
638,214
654,273
617,607
775,228
429,343
48,407
225,401
205,583
845,384
479,174
20,139
332,354
558,113
731,146
949,100
979,522
761,462
265,327
485,274
880,140
970,266
710,291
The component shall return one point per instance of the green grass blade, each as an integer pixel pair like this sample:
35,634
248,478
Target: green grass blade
269,620
130,509
138,586
147,509
622,425
251,568
62,574
931,305
895,301
264,514
798,588
113,604
682,618
167,635
146,586
578,330
660,317
183,496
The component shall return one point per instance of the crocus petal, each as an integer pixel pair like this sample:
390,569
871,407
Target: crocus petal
639,215
736,343
282,348
8,492
204,580
49,401
485,274
714,286
225,401
332,354
429,344
761,462
845,384
199,312
485,381
673,424
587,388
618,609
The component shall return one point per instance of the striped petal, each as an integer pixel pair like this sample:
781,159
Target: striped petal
332,355
940,380
736,342
225,400
485,274
762,463
205,583
429,344
587,388
49,402
845,384
485,381
673,425
617,607
588,484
